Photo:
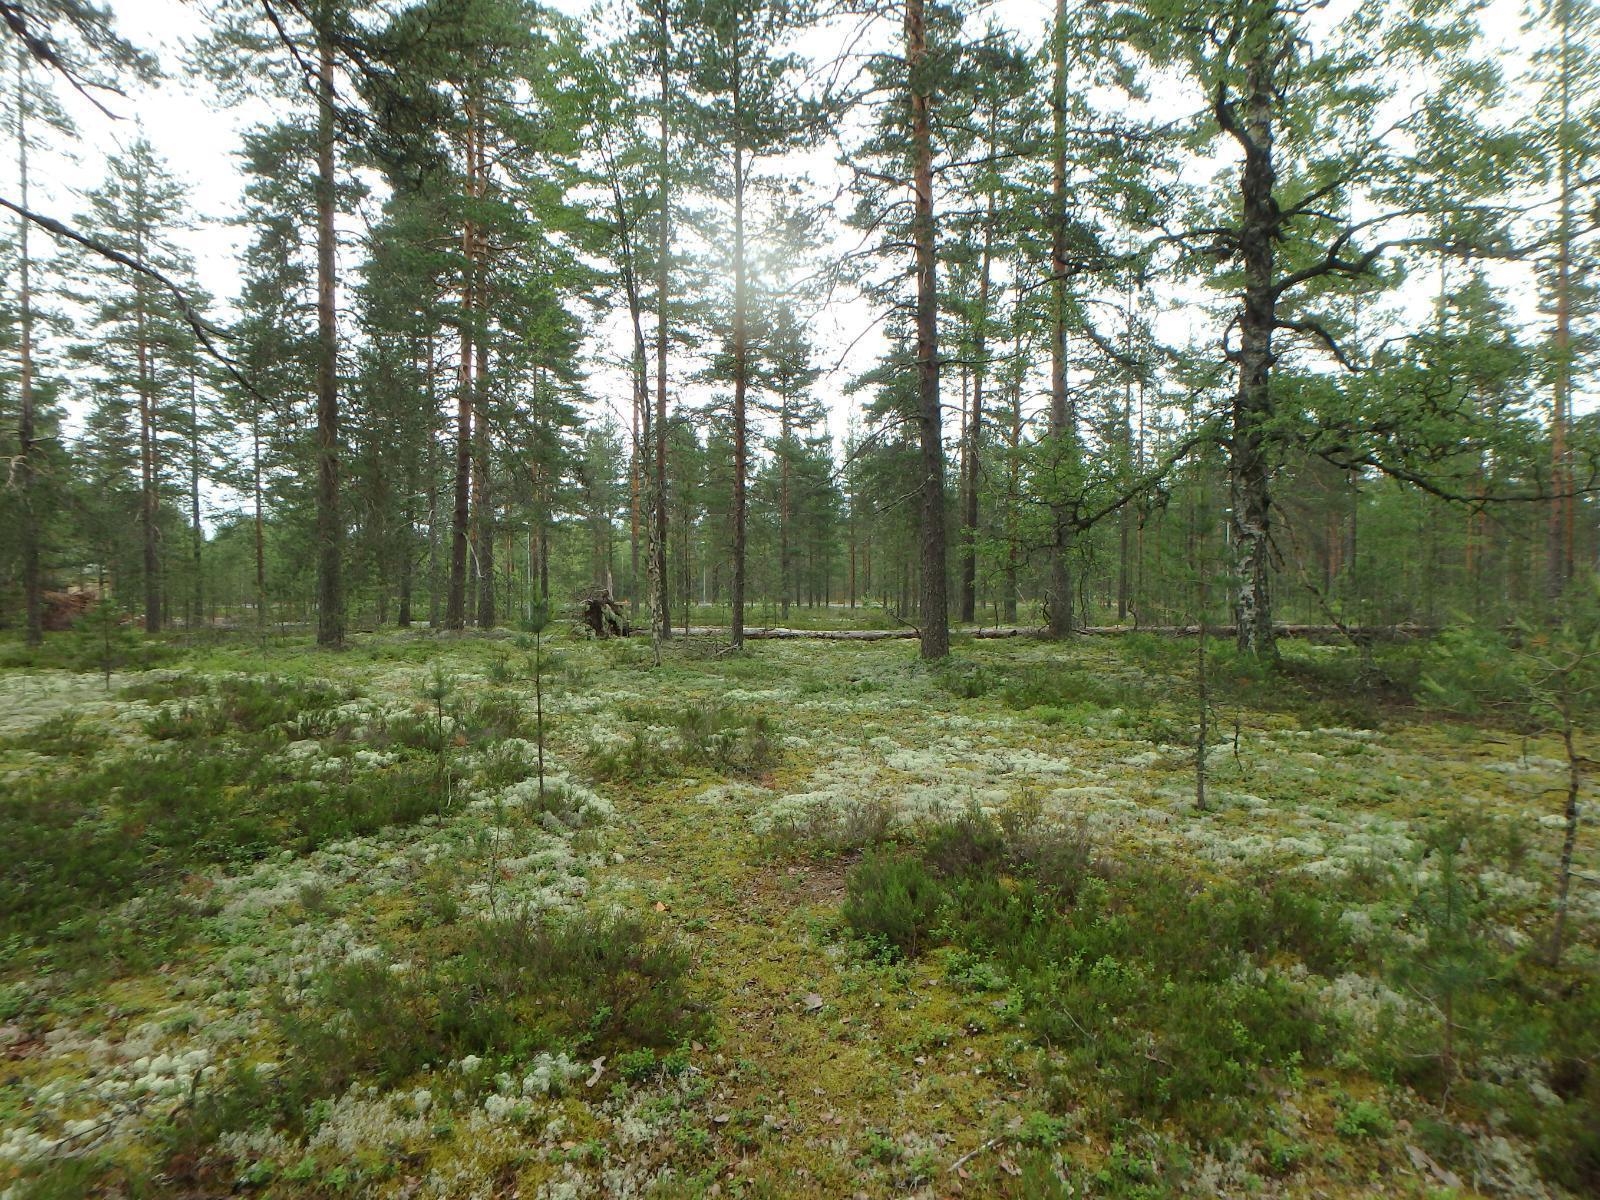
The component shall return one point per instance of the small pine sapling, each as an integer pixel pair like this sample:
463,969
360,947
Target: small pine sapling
103,640
438,689
534,625
1547,681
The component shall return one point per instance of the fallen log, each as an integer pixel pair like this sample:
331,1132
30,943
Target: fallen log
778,634
1363,633
1378,633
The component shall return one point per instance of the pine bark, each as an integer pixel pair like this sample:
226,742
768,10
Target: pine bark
658,548
785,565
149,497
1063,423
330,524
1014,464
197,537
258,519
974,446
483,497
741,363
455,612
934,617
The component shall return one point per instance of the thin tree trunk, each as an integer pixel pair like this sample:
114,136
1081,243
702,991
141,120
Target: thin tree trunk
1063,423
663,274
149,497
934,617
32,576
1569,839
483,506
785,566
636,457
1560,552
330,525
455,615
741,365
433,489
1013,465
197,535
258,517
483,480
408,525
980,371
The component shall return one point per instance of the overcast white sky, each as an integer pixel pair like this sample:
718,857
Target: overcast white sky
199,139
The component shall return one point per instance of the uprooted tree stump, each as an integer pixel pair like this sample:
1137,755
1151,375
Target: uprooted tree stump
602,614
62,609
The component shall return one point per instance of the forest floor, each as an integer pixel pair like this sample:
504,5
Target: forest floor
810,921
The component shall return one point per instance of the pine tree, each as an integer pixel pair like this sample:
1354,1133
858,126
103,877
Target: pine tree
141,342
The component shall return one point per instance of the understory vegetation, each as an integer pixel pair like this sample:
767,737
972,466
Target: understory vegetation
802,921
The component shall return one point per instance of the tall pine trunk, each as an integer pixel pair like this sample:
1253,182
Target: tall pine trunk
455,616
658,565
149,497
785,566
408,525
330,525
974,446
432,469
197,537
934,617
741,365
1014,460
1063,423
483,498
257,516
482,479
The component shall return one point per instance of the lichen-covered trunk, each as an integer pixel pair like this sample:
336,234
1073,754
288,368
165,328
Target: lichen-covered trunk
934,615
330,524
1249,464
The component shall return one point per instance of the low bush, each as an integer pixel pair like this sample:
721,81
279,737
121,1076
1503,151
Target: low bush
966,680
710,736
61,736
892,901
511,987
727,739
825,830
1163,991
79,845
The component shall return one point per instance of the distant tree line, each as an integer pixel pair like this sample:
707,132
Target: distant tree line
1235,310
